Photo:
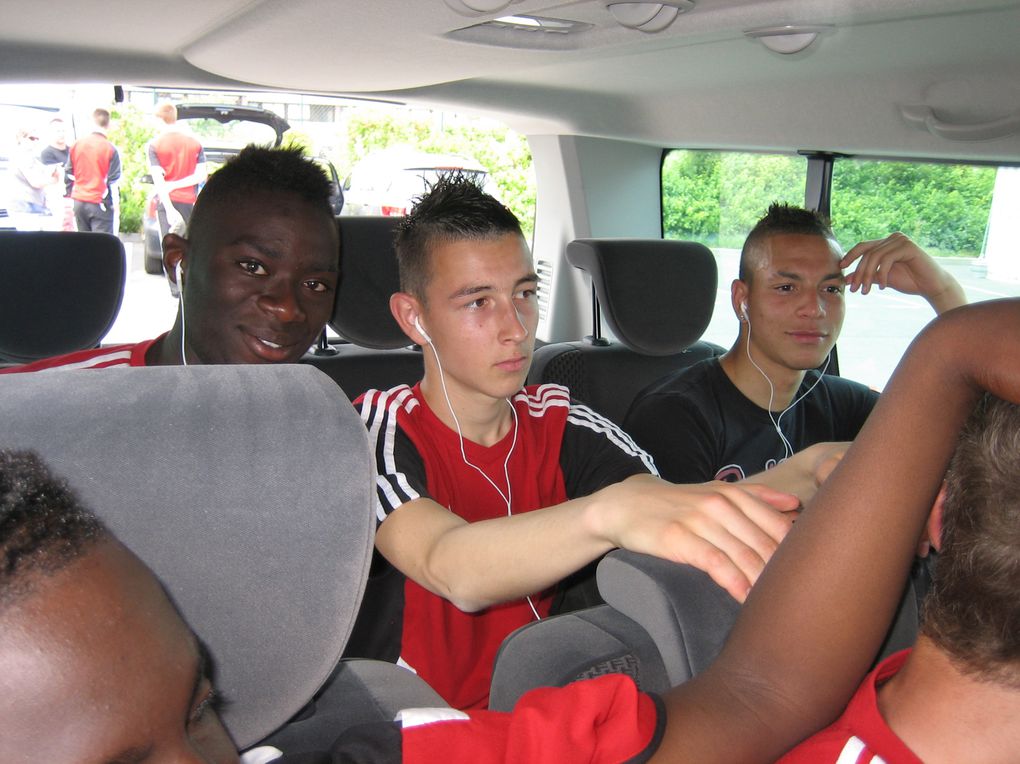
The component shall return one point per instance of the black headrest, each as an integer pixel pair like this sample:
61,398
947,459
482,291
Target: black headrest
59,291
368,276
657,295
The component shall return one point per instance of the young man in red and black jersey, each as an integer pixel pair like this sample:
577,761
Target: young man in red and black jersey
492,492
94,163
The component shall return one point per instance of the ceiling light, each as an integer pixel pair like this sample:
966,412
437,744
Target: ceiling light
649,17
791,38
475,7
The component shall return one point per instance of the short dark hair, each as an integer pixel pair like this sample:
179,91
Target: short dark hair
973,610
261,170
780,219
453,208
43,525
101,117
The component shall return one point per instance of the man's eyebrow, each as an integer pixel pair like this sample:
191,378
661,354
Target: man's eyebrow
476,288
798,277
256,243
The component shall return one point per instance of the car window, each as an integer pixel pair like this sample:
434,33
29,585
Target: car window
715,197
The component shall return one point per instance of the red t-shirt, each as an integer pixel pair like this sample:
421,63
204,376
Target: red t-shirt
95,358
860,735
563,450
178,154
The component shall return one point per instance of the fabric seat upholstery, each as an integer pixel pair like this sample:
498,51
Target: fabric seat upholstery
59,292
249,490
377,353
657,297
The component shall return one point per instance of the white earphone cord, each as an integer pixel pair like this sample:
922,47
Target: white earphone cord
508,496
787,446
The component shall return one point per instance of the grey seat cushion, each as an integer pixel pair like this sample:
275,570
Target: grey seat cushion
249,490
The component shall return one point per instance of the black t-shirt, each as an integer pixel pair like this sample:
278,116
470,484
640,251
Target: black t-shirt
698,426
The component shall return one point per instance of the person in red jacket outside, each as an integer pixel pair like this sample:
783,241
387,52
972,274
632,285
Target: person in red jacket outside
94,164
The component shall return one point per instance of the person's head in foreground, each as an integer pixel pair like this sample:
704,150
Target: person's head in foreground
973,612
258,270
96,665
468,288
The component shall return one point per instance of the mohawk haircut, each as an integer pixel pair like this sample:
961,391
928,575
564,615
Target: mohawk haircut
43,525
780,219
454,208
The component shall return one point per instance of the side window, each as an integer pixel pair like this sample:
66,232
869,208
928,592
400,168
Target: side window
962,215
715,197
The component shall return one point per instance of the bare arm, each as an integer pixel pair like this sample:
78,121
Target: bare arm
898,262
814,622
728,531
803,472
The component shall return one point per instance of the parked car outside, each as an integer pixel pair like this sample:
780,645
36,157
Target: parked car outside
224,130
388,181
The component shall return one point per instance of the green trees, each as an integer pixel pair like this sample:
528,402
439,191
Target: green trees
716,197
129,132
503,152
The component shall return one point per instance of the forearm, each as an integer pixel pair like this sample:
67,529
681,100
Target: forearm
799,474
476,565
951,297
815,619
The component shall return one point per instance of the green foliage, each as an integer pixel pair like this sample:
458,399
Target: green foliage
503,152
944,208
716,198
129,132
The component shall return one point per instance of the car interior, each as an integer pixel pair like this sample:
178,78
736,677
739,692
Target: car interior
601,89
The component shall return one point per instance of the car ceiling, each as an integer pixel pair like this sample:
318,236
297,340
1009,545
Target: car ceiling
700,82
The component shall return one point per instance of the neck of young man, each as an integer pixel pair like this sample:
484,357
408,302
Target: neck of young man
944,715
483,419
751,380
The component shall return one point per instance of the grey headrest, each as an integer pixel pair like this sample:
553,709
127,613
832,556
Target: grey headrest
687,615
247,489
368,276
657,294
59,291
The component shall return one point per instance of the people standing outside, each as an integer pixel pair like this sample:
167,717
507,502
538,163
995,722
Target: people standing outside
56,153
29,179
95,165
177,164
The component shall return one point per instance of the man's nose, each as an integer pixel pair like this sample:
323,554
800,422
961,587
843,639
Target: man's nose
283,301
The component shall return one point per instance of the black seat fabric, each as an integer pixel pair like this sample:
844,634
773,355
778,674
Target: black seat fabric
249,490
657,296
59,292
377,353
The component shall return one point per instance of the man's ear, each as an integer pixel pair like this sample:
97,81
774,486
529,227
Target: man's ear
405,309
175,250
934,525
739,292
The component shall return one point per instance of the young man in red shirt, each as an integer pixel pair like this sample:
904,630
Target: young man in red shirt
256,275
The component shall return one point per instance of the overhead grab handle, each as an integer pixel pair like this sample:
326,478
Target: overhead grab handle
923,118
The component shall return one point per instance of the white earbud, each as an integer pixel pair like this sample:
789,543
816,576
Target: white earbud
421,330
175,285
743,311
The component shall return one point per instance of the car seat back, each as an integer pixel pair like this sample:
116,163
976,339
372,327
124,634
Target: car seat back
59,292
657,296
377,353
216,477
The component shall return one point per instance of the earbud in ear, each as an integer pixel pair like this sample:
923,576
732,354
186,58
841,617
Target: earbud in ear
175,283
421,330
743,311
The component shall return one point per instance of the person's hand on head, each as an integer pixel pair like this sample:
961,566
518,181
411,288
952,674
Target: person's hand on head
897,262
729,531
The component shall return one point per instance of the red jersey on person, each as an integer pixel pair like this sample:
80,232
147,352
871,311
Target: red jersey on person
563,450
178,154
95,164
860,735
94,358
